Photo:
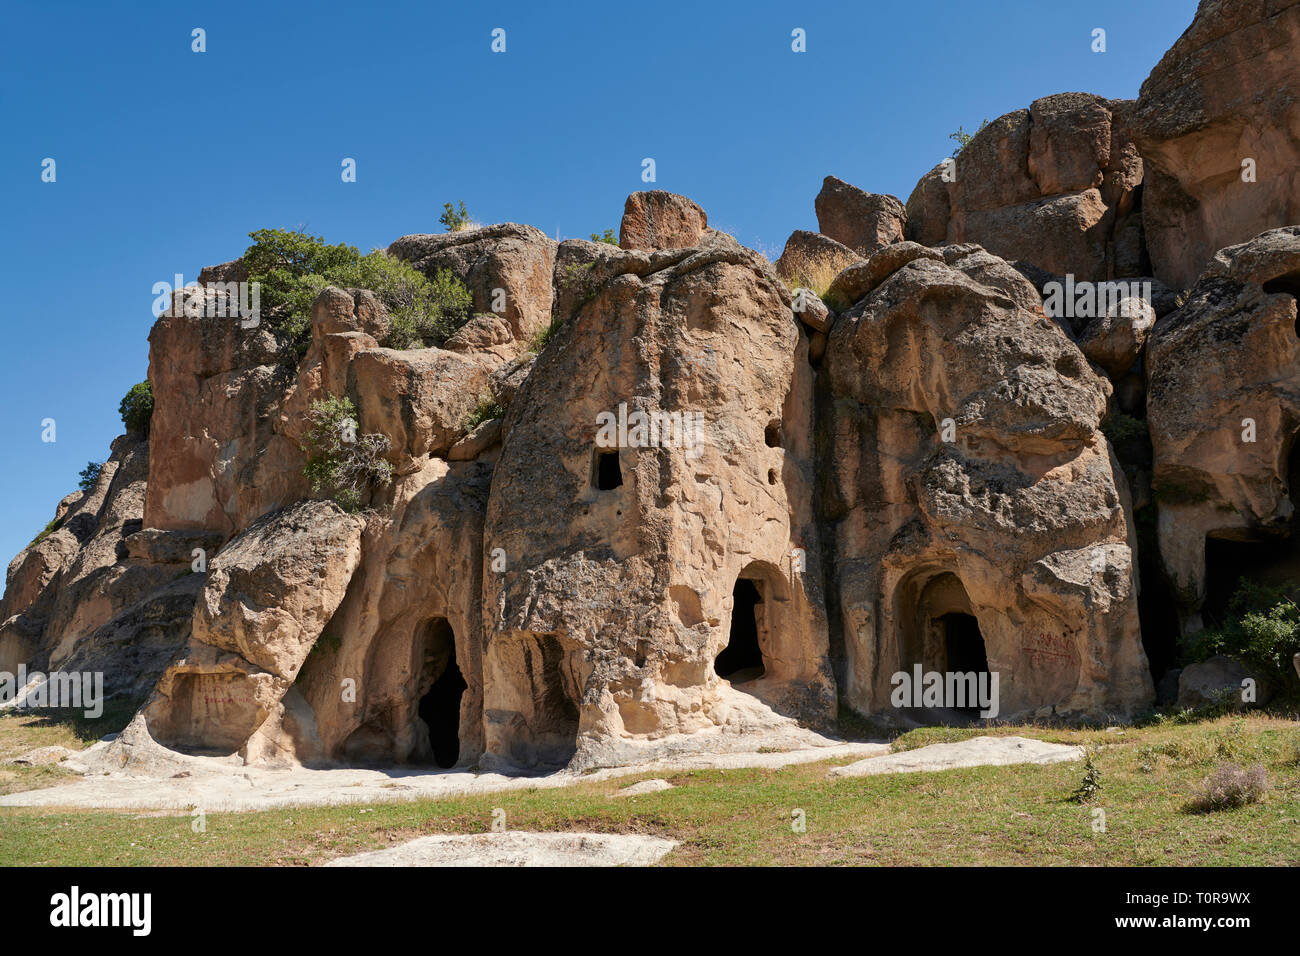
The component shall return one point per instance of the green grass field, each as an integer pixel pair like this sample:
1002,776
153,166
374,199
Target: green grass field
1020,815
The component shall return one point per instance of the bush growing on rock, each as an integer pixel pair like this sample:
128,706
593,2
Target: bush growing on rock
136,408
607,237
340,464
962,138
293,268
89,475
486,409
456,220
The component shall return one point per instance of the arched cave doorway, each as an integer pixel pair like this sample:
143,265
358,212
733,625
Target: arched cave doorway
942,634
757,615
441,687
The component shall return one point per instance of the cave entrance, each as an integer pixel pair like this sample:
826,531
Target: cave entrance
963,649
441,688
742,659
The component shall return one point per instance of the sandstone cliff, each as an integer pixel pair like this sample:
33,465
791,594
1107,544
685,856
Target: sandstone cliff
666,495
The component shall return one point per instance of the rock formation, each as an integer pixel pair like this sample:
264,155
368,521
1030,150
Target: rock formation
665,496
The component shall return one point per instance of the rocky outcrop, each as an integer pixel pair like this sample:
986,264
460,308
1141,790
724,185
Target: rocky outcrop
266,600
1216,123
661,497
858,220
65,588
976,507
622,552
661,220
809,258
506,267
219,459
1055,185
1221,450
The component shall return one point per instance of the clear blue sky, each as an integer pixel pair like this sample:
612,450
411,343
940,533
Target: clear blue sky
166,158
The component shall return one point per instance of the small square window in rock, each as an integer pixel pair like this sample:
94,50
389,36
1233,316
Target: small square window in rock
606,472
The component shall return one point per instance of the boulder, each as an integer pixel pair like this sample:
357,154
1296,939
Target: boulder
515,259
419,399
812,260
1215,123
267,598
1216,680
863,222
661,220
1055,186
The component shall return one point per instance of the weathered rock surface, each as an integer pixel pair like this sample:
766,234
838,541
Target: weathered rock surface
601,637
1223,403
1055,185
968,478
518,260
809,257
1218,126
661,220
976,752
514,848
861,221
268,596
1217,680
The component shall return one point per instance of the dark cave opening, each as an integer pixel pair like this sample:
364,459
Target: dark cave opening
742,658
608,473
964,649
439,708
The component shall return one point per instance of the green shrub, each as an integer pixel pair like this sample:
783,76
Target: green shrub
963,138
455,219
1121,427
542,336
89,475
136,408
1262,630
424,312
340,464
293,268
1091,785
606,236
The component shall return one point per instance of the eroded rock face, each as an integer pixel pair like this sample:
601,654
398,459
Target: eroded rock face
1225,93
620,562
1054,185
418,398
517,260
64,589
1220,466
858,220
976,508
412,619
267,598
661,220
217,459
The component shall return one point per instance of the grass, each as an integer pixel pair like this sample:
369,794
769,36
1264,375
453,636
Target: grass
485,409
544,335
815,275
21,731
1020,816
